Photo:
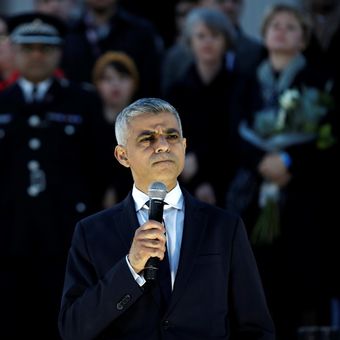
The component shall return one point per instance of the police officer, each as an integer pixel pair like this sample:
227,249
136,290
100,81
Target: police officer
52,158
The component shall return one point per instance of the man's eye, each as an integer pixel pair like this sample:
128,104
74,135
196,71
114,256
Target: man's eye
147,139
172,137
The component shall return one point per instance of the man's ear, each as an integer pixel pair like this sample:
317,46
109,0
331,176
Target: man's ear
121,155
185,143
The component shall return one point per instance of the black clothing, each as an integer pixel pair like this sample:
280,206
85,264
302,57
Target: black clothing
296,261
59,144
210,116
53,163
128,34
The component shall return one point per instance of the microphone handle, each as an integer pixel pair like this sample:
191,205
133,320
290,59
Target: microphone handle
156,214
151,269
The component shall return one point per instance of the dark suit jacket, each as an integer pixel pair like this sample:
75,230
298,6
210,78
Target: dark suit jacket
217,292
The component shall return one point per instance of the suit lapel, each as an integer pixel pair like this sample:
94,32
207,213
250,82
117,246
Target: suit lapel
127,221
195,223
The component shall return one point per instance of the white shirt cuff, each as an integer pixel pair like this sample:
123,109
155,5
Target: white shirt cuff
138,278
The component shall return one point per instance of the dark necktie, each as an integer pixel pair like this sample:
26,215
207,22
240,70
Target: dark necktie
164,279
34,94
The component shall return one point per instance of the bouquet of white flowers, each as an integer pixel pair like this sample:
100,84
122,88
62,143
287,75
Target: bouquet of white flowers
298,120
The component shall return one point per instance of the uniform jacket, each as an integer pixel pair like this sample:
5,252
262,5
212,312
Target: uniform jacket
53,159
217,292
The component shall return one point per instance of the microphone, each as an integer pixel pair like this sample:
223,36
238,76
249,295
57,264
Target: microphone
157,192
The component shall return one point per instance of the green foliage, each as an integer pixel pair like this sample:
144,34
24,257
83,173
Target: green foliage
267,227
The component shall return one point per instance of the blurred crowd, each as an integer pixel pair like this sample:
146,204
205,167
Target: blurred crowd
260,117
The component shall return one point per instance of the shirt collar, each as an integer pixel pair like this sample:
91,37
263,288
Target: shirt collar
27,88
174,198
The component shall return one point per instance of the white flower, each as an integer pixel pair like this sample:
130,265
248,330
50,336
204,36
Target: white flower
289,99
268,191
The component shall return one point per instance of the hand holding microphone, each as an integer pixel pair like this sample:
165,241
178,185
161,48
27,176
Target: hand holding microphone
157,193
148,245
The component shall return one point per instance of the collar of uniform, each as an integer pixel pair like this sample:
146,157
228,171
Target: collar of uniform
27,88
174,198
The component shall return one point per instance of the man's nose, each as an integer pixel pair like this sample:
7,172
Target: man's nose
162,144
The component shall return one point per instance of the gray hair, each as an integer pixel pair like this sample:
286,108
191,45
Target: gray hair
214,19
138,108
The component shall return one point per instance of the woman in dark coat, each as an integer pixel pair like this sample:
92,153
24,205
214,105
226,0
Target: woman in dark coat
211,98
286,212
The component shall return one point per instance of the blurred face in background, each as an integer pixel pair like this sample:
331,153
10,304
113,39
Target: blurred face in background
101,5
6,53
36,62
284,34
3,29
182,8
231,8
116,88
59,8
207,45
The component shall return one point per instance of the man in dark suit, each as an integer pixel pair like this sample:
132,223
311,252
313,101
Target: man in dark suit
104,26
207,286
51,175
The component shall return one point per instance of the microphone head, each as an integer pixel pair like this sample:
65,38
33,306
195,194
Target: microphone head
157,190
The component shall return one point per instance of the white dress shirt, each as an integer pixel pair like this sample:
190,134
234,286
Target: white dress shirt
27,89
173,220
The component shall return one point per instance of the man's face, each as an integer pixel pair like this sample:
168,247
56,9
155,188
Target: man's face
101,5
59,8
155,151
36,62
232,9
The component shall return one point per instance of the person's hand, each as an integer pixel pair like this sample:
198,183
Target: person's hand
206,193
149,241
273,169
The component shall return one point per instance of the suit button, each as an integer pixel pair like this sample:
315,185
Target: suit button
34,143
121,304
69,130
33,165
126,299
33,190
34,121
165,324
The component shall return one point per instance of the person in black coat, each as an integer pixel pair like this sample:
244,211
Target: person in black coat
286,154
212,99
104,27
53,164
207,285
